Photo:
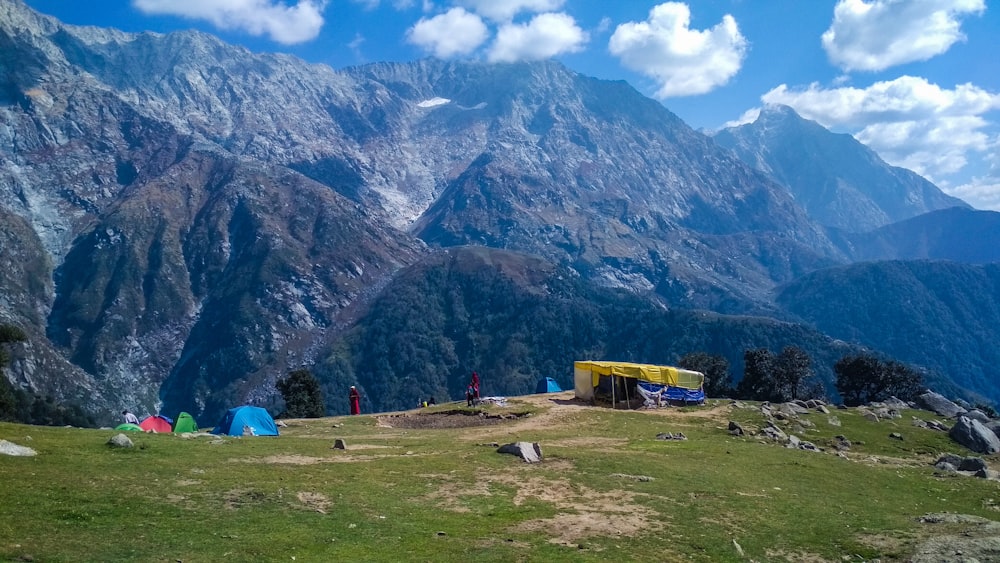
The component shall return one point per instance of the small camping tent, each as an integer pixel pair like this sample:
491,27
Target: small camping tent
673,384
185,423
547,385
156,423
128,427
246,420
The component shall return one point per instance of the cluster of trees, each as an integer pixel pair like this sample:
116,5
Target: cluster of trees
860,377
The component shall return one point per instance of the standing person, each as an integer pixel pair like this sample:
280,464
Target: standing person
475,386
355,399
129,417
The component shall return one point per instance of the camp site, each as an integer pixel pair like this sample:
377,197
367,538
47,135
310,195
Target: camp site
631,462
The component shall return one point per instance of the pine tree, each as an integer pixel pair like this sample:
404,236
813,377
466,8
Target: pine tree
302,395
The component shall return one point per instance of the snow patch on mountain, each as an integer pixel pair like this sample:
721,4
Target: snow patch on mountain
433,102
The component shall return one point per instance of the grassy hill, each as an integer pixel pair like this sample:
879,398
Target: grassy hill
429,485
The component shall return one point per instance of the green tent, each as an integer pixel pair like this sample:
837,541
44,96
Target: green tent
185,423
127,427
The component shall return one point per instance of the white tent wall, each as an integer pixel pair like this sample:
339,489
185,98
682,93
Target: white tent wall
583,383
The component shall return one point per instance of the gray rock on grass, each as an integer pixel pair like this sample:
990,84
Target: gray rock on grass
975,436
939,404
120,441
10,448
530,452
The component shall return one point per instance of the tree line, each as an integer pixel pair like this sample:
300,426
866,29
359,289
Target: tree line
860,377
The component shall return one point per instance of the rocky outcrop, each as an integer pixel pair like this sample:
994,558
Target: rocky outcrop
937,403
975,436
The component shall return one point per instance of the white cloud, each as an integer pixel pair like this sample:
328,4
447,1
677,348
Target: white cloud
908,121
545,36
883,33
282,23
505,10
453,33
682,60
749,116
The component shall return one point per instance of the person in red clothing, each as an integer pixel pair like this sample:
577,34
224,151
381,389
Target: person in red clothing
475,387
355,398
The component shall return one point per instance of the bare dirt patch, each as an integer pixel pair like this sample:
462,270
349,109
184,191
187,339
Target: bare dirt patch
583,512
314,501
448,419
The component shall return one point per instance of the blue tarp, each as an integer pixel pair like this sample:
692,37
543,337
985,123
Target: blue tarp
675,393
547,385
256,419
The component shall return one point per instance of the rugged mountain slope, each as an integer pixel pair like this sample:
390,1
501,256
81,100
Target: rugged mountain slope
942,315
958,233
162,259
839,181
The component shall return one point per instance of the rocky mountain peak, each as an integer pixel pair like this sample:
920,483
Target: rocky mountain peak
838,180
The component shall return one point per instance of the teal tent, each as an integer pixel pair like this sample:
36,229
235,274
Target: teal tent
246,421
547,385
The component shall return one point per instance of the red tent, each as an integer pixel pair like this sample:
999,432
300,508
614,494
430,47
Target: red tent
156,423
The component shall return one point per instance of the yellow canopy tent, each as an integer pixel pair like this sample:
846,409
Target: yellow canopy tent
686,383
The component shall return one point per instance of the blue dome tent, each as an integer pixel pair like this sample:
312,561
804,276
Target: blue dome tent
547,385
247,421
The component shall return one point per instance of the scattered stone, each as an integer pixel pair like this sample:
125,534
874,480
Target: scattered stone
120,441
833,421
280,424
841,443
793,408
774,433
823,409
10,448
938,425
669,436
919,423
869,415
896,436
976,414
975,436
793,442
937,403
491,444
735,429
945,466
972,464
339,444
988,474
994,425
640,478
530,452
809,447
895,403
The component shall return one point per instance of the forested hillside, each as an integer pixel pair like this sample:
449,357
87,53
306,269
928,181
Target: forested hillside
516,318
941,315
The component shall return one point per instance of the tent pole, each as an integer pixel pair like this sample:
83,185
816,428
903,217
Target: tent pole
614,402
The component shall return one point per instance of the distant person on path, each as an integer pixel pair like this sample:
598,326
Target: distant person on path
355,399
129,417
475,386
470,396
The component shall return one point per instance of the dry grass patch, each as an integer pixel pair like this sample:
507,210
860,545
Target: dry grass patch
314,501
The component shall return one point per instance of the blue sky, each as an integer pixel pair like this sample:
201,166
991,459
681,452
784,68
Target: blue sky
916,80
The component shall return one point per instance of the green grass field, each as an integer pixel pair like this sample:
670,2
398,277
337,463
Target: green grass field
606,489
